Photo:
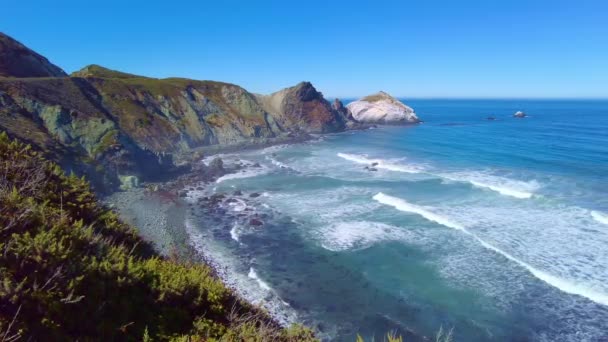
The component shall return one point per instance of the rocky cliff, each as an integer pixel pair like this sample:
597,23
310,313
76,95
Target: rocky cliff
303,109
113,125
382,108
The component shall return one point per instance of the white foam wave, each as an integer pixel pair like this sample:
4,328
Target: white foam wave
277,163
599,217
234,233
348,235
238,205
253,275
380,163
248,173
502,185
564,285
402,205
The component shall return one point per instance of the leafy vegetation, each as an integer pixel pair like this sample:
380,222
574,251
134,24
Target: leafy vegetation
70,269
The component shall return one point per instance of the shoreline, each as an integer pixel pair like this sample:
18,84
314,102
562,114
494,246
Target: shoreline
162,213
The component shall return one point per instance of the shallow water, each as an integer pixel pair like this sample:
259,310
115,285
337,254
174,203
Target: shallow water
497,229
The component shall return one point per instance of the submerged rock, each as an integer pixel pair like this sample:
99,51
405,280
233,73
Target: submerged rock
520,114
383,109
256,222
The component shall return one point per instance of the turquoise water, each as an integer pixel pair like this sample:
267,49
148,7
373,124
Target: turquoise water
497,229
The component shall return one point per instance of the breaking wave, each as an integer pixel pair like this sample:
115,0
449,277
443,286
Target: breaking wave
559,283
253,275
599,217
501,185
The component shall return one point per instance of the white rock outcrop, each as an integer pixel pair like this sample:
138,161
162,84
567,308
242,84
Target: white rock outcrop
381,108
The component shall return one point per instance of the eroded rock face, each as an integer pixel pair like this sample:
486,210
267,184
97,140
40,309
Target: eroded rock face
16,60
303,109
381,108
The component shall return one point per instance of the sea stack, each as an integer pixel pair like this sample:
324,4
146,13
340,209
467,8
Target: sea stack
382,108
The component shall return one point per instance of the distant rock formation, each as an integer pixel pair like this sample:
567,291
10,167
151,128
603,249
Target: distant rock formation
520,114
16,60
382,108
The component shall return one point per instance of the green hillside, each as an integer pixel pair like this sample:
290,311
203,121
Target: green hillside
72,270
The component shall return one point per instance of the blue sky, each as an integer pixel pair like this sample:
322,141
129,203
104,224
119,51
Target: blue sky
345,48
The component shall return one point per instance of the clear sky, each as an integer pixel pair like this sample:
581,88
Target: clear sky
432,48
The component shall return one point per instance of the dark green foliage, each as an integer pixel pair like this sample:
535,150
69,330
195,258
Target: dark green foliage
71,270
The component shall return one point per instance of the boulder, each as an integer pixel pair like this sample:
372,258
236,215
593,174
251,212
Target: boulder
216,166
128,182
382,108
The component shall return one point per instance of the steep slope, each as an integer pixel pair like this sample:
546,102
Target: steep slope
16,60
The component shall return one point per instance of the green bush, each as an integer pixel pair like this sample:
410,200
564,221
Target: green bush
70,269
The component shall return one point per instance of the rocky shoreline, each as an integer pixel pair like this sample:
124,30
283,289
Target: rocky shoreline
163,212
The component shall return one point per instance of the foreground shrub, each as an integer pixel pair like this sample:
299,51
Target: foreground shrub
70,269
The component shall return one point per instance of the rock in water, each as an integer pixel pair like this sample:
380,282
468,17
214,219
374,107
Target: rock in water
216,167
520,114
383,109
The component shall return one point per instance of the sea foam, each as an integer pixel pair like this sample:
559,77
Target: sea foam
253,275
599,217
349,235
380,163
402,205
248,173
564,285
234,232
277,163
501,185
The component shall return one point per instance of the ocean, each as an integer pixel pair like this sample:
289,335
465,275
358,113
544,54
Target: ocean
494,229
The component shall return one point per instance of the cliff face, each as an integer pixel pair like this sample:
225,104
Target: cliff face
110,125
303,108
16,60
